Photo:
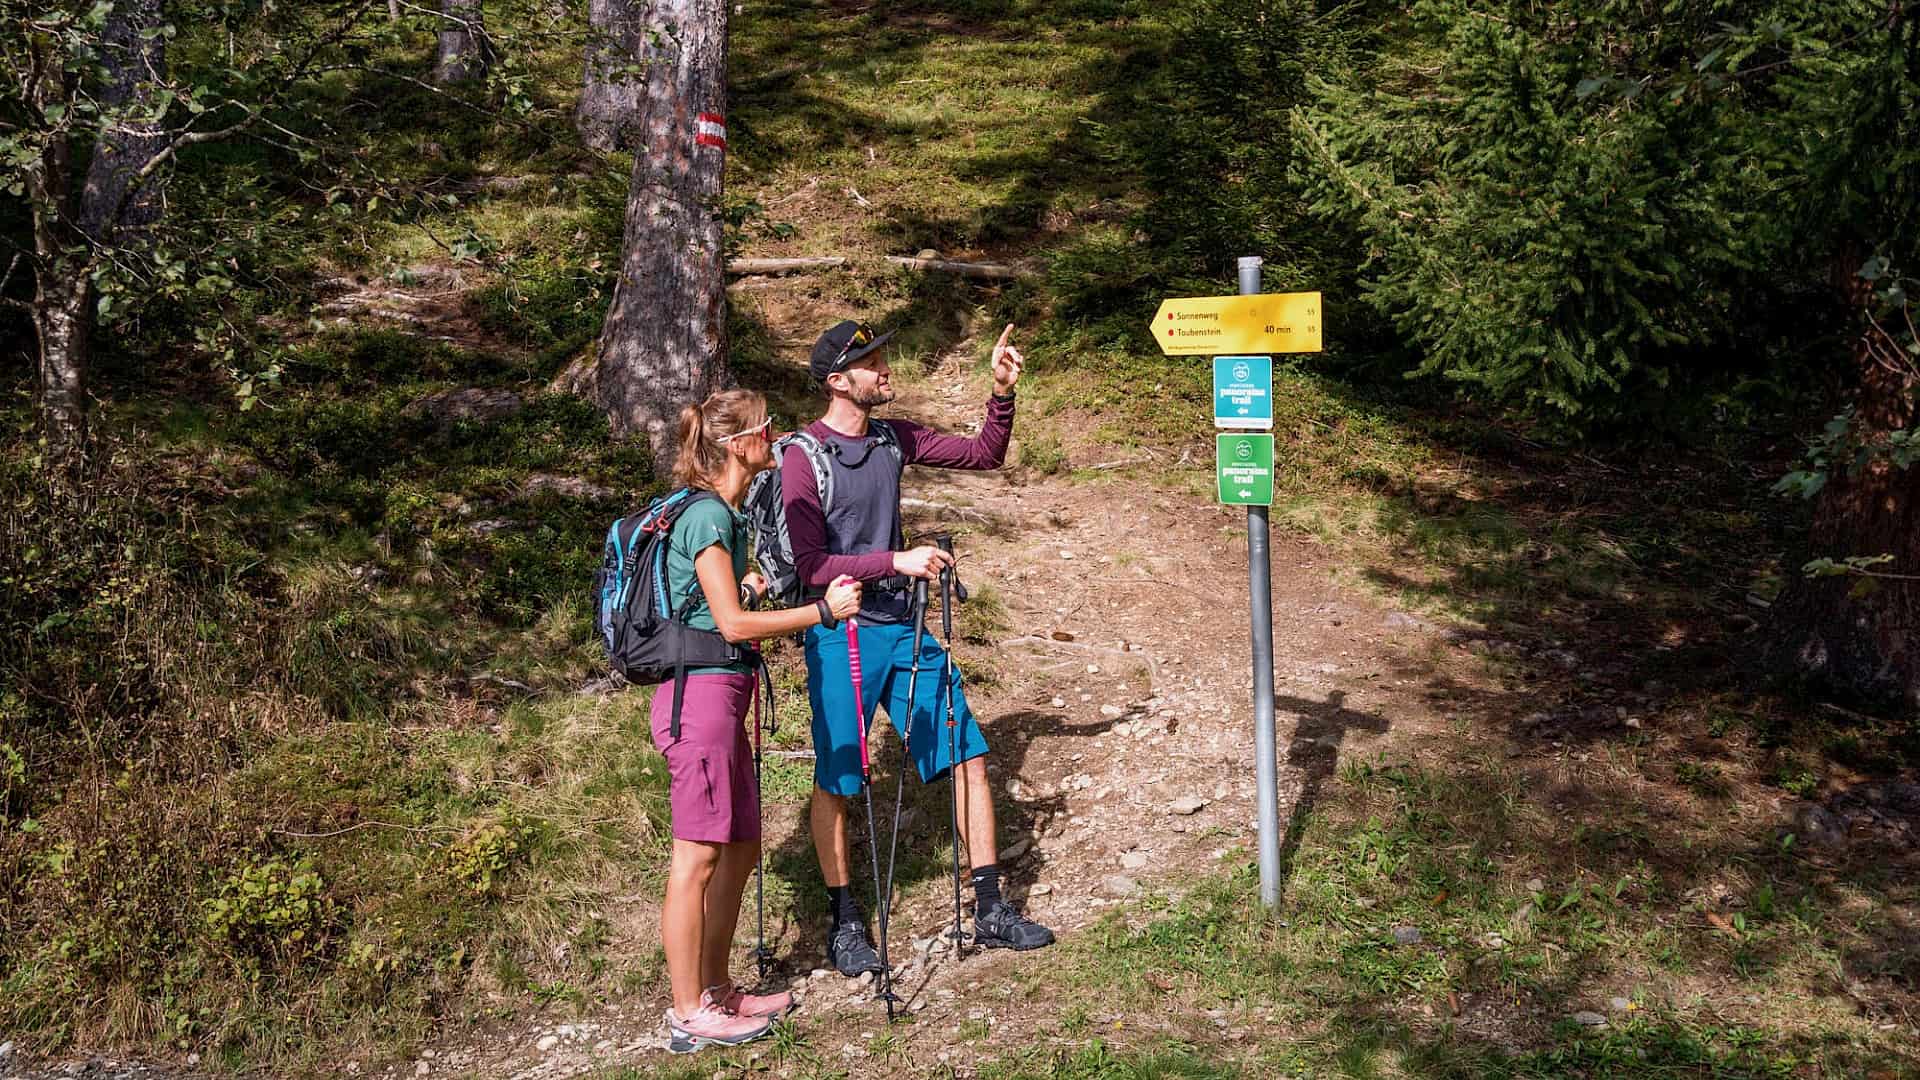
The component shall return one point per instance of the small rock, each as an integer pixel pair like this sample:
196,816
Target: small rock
1589,1018
1092,669
1536,886
1065,554
1400,620
193,1059
546,1043
1016,849
1112,712
1058,703
1135,860
1040,890
422,1068
1633,723
865,979
1119,885
6,1050
927,253
819,973
1406,935
1495,941
1191,804
1822,826
1620,1004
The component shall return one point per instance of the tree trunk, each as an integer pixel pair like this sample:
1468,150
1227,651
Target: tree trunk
62,314
610,96
665,339
1862,636
63,320
131,138
464,52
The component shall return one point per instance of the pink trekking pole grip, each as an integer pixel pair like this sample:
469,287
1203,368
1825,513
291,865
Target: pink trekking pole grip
859,700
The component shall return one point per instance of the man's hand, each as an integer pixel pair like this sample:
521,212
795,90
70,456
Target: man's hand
1007,362
924,561
754,581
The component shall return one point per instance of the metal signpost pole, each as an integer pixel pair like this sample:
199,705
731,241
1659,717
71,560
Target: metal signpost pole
1260,598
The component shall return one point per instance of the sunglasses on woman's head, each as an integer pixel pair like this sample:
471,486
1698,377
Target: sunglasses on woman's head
760,428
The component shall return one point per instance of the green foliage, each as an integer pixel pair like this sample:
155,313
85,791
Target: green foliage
273,909
482,859
1592,209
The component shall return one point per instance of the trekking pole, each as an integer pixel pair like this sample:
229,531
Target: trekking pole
950,590
762,956
919,615
866,787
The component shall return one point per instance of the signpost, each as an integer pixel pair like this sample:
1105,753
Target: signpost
1243,392
1244,468
1250,323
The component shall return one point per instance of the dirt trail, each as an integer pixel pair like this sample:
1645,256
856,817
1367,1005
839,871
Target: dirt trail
1117,700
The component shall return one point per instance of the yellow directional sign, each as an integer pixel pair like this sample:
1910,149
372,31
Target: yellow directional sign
1256,323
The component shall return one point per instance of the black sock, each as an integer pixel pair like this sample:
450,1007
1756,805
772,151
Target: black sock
986,886
841,904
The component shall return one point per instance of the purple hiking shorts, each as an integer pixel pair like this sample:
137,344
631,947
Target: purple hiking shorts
710,770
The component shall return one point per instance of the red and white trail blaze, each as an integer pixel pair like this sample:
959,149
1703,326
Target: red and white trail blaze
710,129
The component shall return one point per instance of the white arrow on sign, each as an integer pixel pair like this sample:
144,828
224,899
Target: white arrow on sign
1246,494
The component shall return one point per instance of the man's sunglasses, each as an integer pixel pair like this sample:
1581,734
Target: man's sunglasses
861,338
761,428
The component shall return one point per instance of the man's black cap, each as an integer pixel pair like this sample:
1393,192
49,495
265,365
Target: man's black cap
840,346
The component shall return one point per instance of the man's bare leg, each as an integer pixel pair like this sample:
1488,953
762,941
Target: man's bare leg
827,815
976,814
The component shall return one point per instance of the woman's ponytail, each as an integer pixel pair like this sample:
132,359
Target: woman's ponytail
702,458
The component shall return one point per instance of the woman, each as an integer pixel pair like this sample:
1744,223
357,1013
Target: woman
724,441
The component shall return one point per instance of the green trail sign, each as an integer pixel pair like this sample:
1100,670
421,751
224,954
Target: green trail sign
1244,467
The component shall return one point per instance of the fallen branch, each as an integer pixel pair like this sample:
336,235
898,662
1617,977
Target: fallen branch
1143,657
946,508
785,266
995,271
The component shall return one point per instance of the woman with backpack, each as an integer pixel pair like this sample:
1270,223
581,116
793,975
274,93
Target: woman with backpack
724,442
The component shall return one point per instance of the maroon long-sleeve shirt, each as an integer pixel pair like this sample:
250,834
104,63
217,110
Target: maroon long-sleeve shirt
861,530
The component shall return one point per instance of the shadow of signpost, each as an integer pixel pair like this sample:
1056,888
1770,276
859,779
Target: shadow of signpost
1311,755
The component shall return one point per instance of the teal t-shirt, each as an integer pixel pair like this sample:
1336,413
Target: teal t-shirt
702,525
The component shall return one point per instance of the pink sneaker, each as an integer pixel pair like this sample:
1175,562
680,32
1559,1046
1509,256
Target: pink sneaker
712,1024
736,1000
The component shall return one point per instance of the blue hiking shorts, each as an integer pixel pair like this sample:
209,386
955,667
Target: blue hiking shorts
886,661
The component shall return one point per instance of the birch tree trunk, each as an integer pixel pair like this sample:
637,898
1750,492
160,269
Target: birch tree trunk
665,339
62,286
613,87
463,52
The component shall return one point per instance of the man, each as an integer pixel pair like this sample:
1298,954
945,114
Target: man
859,535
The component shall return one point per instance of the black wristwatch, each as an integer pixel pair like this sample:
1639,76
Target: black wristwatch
1008,396
827,620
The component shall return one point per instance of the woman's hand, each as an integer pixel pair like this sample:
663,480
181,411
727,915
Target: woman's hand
843,597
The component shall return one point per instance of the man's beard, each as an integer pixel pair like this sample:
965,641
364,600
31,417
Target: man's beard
867,399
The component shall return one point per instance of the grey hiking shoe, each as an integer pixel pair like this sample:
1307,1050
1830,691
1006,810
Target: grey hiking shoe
850,951
1001,927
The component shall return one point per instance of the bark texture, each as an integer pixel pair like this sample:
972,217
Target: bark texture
1864,639
463,53
615,81
665,339
127,144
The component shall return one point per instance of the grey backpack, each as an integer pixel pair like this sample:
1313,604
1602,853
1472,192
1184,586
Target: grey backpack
772,547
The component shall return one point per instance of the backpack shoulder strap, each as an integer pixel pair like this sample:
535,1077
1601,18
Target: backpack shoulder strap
890,439
816,452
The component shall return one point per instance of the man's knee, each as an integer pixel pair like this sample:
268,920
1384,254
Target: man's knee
828,801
